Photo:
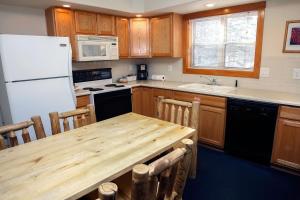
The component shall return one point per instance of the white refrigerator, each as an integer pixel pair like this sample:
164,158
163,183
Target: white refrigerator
35,78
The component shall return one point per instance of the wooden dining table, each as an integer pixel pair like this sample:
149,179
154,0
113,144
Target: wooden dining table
74,163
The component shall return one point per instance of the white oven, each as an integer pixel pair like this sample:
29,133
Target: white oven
92,47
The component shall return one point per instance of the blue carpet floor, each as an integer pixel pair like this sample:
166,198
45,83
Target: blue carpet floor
224,177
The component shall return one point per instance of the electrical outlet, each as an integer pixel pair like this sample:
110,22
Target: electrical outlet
130,68
296,73
264,72
170,68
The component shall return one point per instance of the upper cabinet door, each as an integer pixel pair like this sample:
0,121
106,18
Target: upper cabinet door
64,25
85,22
106,24
139,37
60,22
123,35
161,36
166,36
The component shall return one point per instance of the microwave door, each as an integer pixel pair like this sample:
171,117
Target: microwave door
93,50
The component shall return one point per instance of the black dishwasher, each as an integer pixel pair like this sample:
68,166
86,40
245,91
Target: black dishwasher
250,128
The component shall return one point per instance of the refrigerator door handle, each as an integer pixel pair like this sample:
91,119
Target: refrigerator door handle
1,118
73,91
71,76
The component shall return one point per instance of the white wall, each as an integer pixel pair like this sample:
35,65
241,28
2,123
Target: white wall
280,64
127,6
20,20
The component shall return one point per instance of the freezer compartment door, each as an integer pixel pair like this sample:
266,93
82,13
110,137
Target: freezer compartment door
34,57
40,97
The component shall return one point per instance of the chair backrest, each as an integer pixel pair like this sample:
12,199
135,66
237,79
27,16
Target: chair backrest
81,117
164,178
183,113
10,130
179,112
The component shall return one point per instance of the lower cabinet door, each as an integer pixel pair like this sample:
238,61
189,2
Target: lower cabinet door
136,99
286,148
147,103
212,125
82,101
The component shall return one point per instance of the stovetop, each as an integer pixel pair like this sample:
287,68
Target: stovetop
111,86
96,81
100,86
92,89
114,85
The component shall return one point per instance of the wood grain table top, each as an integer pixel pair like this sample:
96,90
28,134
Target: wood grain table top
72,164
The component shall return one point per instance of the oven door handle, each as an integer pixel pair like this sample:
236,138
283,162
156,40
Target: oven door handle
117,96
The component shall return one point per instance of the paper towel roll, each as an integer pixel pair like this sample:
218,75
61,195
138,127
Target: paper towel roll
158,77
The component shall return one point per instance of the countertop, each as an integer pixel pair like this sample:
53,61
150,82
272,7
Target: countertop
282,98
80,92
240,93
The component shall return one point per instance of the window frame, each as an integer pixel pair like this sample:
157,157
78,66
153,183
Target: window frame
187,40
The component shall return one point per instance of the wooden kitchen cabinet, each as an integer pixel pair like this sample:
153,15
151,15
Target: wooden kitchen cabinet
85,22
212,117
122,32
142,101
166,36
106,24
136,100
147,102
286,147
82,101
208,100
212,112
139,37
212,125
60,22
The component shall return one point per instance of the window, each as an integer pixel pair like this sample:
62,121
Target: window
225,41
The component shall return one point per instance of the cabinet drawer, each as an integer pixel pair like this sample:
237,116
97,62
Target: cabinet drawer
82,101
290,112
219,102
162,92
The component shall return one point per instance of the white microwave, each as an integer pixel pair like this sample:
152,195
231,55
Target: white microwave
92,47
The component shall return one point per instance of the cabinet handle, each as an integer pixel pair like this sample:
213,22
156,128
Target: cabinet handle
292,123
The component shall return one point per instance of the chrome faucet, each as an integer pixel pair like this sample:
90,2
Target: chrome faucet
212,80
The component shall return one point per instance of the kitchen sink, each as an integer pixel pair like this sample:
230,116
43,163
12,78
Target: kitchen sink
198,87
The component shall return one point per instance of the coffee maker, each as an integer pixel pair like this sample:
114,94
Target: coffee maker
142,72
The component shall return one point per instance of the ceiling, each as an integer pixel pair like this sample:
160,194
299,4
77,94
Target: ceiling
131,7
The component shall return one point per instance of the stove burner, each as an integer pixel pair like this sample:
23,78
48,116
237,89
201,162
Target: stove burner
114,85
96,89
92,89
87,88
111,85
